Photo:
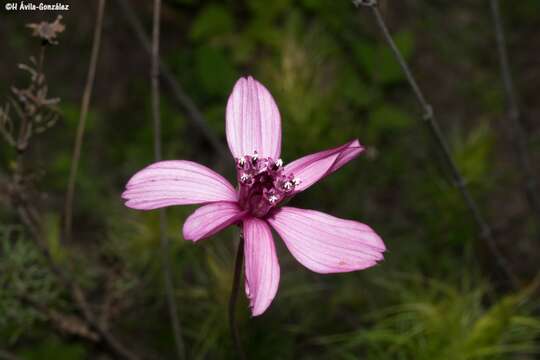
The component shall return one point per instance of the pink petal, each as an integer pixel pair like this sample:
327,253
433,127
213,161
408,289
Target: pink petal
262,267
210,219
253,120
311,168
327,244
178,182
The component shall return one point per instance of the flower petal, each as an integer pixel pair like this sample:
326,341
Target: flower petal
327,244
253,120
311,168
262,267
177,182
210,219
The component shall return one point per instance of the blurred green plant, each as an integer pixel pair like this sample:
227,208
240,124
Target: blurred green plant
24,275
431,319
53,348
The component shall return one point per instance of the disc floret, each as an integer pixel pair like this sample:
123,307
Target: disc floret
263,183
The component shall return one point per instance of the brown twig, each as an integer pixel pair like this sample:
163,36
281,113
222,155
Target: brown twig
35,111
484,228
108,300
238,264
181,97
85,104
66,323
518,136
164,240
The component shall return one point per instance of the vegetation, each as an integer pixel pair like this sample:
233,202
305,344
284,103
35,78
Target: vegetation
439,294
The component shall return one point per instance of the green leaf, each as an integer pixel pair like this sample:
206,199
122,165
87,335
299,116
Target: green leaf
366,55
71,114
357,91
266,33
214,70
213,20
52,232
53,348
490,328
473,154
405,42
380,62
389,117
268,10
215,115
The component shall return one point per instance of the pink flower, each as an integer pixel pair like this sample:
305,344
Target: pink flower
321,242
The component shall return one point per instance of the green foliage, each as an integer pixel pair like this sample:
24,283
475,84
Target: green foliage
387,120
435,320
24,274
357,91
71,114
379,61
53,348
52,231
214,70
527,11
473,154
213,20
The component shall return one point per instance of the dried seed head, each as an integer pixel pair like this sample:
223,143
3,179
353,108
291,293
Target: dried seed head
48,31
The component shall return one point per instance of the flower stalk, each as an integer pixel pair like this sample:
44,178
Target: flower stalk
233,299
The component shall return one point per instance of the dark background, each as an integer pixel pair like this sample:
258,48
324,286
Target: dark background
439,294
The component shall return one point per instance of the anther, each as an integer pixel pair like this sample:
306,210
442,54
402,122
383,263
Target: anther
288,186
244,178
272,199
279,163
296,181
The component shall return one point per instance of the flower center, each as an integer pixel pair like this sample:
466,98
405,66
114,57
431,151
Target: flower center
262,183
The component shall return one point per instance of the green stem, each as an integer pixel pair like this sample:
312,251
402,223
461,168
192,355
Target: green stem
239,262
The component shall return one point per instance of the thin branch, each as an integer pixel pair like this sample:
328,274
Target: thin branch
518,136
164,240
238,264
429,116
68,209
181,97
65,323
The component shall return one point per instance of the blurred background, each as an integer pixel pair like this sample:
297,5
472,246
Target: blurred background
439,294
